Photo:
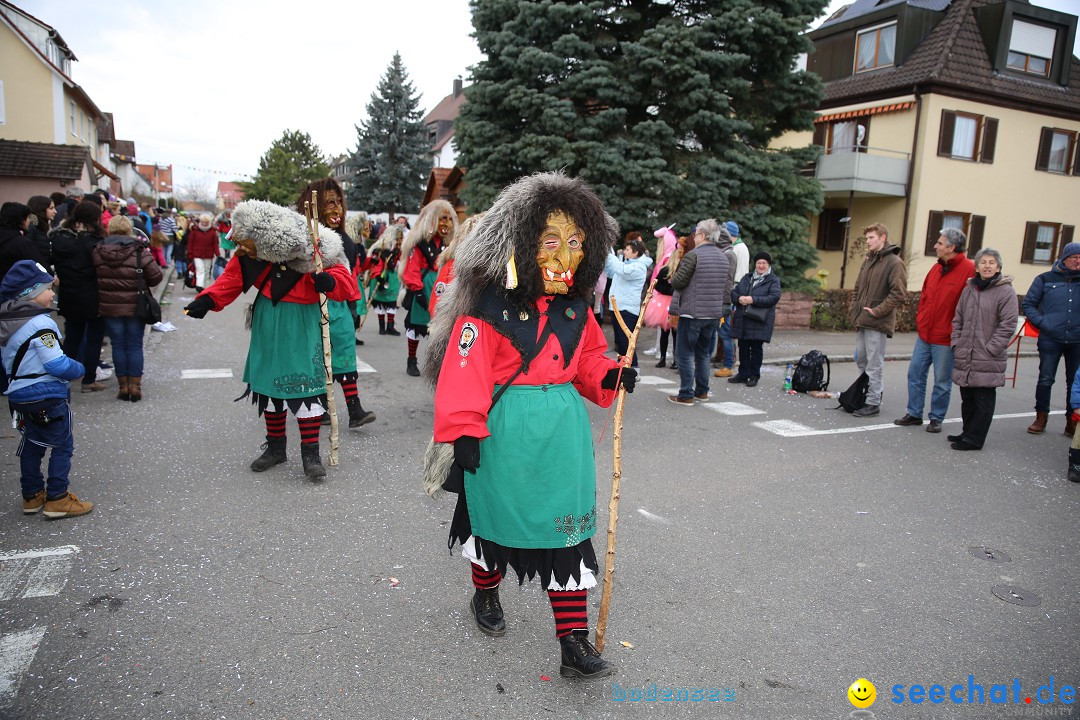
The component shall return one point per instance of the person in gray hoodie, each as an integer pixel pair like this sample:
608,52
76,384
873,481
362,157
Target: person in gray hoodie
702,293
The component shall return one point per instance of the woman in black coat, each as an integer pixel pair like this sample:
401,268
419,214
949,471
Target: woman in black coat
77,299
755,299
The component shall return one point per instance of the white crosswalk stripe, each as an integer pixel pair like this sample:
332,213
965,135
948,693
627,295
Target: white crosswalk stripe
40,573
363,367
17,651
205,373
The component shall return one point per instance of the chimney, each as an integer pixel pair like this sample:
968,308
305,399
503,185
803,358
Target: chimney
457,86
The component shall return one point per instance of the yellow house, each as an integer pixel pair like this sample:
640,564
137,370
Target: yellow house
946,113
41,107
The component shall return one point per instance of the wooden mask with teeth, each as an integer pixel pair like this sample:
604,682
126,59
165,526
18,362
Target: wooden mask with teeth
561,251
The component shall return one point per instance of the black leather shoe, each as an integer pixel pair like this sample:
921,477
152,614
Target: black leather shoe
313,467
581,660
751,382
909,420
358,416
488,612
737,379
411,367
953,438
662,363
1074,474
274,454
934,426
962,444
325,419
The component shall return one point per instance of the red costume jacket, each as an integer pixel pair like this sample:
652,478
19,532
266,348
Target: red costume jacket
467,381
940,294
231,284
416,265
442,281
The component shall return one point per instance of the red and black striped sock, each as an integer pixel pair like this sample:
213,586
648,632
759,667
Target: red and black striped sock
413,344
309,429
350,389
570,610
484,580
275,424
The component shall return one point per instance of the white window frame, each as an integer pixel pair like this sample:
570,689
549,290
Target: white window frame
1070,150
874,29
1031,45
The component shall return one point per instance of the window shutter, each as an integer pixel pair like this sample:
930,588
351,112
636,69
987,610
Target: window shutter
948,123
1028,253
822,223
819,133
1076,156
989,140
933,231
1066,238
975,234
1042,160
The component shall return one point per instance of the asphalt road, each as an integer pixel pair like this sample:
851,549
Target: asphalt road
767,544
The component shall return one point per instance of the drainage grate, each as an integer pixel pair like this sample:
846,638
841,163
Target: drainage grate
1016,595
997,556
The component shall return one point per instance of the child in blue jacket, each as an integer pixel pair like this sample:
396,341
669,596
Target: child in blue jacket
1074,451
37,374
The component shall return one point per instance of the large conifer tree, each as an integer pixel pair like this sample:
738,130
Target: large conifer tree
393,155
667,109
292,161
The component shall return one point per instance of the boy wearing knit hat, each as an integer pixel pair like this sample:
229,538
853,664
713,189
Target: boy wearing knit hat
37,374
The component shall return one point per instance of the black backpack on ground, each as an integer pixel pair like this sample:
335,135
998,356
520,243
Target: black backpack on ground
855,396
812,372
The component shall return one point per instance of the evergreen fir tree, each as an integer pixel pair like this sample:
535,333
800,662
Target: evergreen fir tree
292,161
393,154
667,109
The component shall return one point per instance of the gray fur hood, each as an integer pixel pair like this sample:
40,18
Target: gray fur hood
281,236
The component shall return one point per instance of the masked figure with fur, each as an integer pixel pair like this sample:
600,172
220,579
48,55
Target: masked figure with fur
284,369
384,284
343,318
516,324
434,229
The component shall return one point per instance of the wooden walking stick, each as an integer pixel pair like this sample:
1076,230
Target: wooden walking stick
311,212
616,476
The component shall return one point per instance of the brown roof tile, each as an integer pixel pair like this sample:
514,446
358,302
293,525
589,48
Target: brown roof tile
43,160
954,55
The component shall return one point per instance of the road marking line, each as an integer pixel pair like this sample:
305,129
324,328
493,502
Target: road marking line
48,571
653,380
651,516
17,651
205,374
790,428
732,408
363,367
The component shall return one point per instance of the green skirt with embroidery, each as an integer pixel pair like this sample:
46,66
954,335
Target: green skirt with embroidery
342,338
285,356
536,484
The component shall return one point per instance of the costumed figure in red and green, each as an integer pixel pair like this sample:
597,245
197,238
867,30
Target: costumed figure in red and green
343,317
384,283
284,369
420,252
515,350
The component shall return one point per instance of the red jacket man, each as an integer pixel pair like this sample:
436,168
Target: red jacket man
937,305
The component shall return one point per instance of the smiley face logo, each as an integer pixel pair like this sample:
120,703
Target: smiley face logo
862,693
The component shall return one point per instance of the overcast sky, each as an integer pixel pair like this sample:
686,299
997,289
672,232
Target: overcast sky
208,85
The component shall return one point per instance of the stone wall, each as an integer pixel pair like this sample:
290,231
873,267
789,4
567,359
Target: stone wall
793,311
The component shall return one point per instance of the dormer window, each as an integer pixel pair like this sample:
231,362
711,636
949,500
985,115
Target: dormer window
1030,48
875,48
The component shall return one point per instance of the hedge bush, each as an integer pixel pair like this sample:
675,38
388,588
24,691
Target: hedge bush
831,309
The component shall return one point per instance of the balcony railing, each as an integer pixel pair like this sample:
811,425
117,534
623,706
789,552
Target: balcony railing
870,171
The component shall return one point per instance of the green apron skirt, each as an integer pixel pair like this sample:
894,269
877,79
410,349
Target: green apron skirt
418,315
342,338
536,484
361,304
285,357
387,298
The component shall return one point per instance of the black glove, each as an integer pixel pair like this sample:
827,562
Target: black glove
199,307
324,282
629,379
467,452
421,298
